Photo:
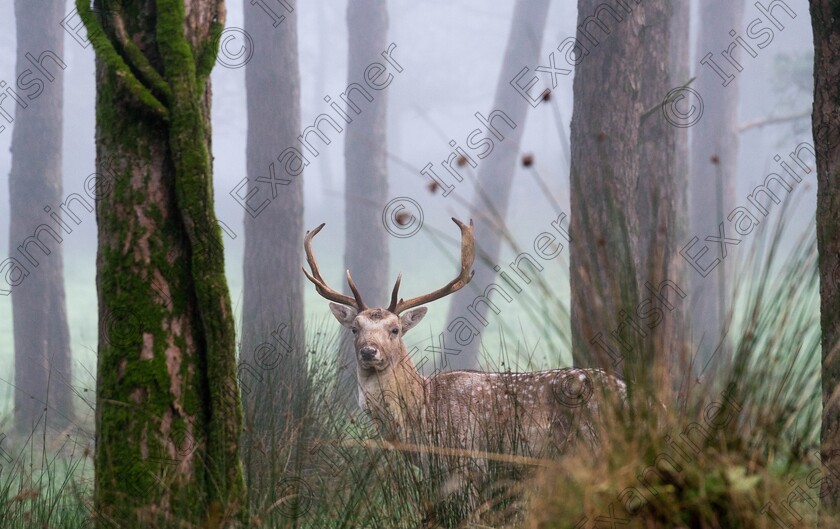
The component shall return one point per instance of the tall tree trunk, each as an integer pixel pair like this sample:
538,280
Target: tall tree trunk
495,174
168,416
673,337
662,181
604,226
366,183
826,129
272,356
714,162
42,342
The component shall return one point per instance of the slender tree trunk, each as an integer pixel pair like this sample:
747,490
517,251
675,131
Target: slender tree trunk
273,376
714,162
662,178
168,414
495,173
366,185
674,335
826,128
604,226
42,342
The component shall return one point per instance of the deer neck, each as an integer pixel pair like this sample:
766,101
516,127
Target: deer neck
395,397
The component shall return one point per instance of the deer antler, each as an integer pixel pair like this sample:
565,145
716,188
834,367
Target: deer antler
320,285
464,277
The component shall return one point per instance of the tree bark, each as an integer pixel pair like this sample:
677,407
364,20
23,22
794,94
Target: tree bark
168,416
714,162
826,129
366,252
663,179
41,335
274,378
604,228
495,173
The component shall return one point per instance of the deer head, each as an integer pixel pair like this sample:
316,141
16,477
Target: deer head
378,331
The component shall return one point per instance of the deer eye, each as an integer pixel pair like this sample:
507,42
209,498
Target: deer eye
395,331
354,330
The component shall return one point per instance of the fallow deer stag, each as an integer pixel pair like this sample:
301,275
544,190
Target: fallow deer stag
525,413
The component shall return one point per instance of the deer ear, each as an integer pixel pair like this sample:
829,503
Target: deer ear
412,318
344,314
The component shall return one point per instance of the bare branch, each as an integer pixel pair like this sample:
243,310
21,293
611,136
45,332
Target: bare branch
773,120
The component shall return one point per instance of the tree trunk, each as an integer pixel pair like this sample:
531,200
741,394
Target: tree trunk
272,357
673,337
714,162
168,417
826,129
366,183
495,173
604,228
663,178
42,342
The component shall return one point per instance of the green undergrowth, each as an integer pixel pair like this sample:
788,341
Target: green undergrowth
733,448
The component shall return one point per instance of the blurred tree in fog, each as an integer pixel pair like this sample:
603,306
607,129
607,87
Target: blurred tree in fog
495,173
42,341
366,182
272,308
168,417
714,163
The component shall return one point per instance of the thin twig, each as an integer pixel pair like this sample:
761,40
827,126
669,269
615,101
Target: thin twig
773,120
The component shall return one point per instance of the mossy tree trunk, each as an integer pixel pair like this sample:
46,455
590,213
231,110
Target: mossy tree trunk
495,174
826,128
274,378
42,341
168,417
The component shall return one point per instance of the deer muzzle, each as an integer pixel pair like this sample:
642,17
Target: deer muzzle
367,354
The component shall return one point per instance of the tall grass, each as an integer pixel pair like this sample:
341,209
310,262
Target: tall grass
312,463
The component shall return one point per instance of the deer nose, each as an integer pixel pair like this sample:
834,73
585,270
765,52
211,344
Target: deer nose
367,353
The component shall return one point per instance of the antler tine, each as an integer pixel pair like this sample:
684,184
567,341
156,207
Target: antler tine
464,276
392,307
320,285
359,303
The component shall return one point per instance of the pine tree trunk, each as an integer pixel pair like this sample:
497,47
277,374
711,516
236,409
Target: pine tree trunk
714,162
495,173
366,183
168,414
604,226
272,356
42,342
663,179
826,128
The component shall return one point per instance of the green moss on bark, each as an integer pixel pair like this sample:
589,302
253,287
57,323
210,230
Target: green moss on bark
167,435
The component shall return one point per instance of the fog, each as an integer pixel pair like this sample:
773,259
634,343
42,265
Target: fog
450,54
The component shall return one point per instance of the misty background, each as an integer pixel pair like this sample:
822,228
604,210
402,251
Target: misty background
451,53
